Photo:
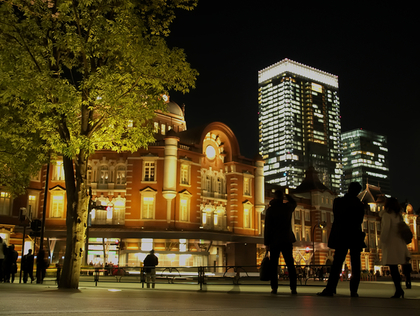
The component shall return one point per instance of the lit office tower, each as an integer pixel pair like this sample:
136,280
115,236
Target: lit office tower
299,124
365,159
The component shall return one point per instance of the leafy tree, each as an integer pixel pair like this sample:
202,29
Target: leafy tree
93,72
22,152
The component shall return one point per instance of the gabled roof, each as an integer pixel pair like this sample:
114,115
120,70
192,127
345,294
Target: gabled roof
372,194
311,182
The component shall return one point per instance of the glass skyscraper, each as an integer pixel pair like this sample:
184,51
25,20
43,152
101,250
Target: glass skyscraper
299,124
365,159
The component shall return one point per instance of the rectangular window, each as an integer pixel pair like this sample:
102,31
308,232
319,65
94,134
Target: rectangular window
58,171
247,186
183,210
298,233
149,171
185,174
324,236
120,175
307,234
57,206
307,216
156,127
247,218
146,244
4,203
148,207
297,214
32,209
104,175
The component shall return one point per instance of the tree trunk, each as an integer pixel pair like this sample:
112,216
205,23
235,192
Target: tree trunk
76,221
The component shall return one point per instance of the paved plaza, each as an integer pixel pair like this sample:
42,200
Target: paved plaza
112,298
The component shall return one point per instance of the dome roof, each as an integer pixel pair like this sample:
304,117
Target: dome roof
174,108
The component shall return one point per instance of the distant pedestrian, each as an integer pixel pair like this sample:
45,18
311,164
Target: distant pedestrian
150,262
41,266
279,237
28,266
3,251
346,234
394,249
10,266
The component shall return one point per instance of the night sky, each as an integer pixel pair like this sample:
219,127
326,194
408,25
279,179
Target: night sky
372,49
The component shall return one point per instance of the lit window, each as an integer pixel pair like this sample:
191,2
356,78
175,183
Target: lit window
163,129
57,205
32,206
183,209
156,127
120,174
185,174
4,203
247,186
149,169
247,215
146,244
298,233
103,175
183,245
148,204
58,171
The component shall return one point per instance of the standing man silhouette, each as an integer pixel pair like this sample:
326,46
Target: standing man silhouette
279,237
346,234
150,262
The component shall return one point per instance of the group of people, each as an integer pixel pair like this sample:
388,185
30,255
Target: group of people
346,235
8,262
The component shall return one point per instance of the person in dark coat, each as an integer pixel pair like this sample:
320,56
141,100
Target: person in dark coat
150,262
41,266
346,234
3,252
279,237
28,266
10,266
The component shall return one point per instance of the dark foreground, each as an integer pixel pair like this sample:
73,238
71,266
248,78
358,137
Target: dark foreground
110,298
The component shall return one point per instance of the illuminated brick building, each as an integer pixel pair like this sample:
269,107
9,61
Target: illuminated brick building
191,196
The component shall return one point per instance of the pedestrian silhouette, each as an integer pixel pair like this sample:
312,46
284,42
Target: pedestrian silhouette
346,234
279,237
3,252
28,266
41,266
394,249
150,262
10,266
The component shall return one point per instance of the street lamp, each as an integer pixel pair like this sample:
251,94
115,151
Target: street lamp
318,225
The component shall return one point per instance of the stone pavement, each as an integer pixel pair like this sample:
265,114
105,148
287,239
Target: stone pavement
112,298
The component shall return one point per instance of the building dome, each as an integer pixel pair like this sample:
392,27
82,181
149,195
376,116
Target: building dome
174,108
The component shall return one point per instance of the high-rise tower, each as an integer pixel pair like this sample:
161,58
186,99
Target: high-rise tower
365,159
299,124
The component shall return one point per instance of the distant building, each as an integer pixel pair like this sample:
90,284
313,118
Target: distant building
299,124
365,159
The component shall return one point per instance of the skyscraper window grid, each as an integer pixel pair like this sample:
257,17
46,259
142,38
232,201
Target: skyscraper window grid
299,122
365,159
